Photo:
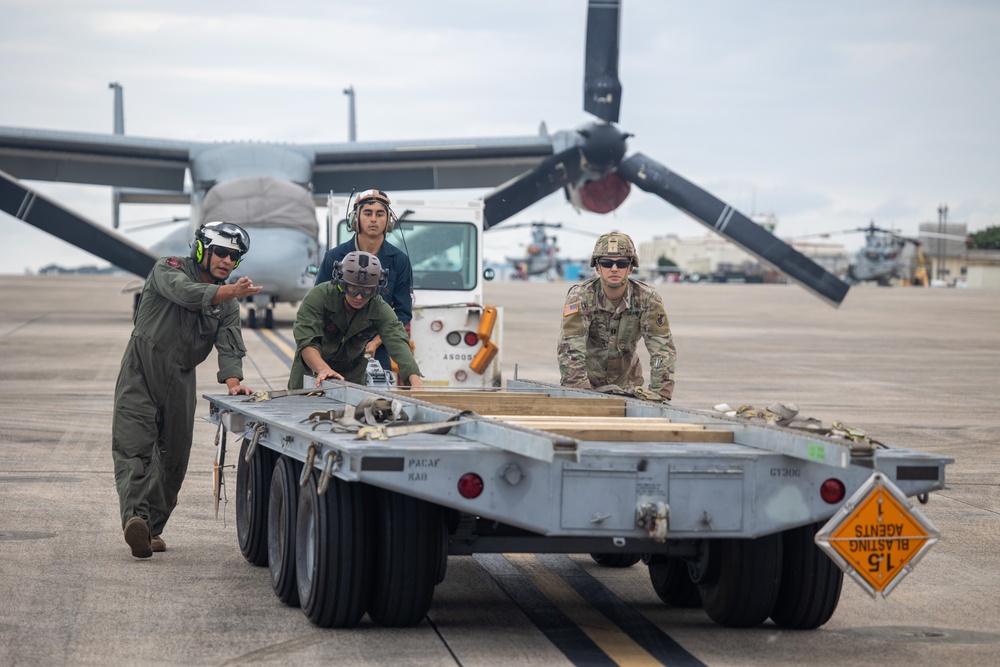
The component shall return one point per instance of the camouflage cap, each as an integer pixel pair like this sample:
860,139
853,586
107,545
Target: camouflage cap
614,244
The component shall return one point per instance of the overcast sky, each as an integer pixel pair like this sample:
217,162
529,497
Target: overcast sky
827,114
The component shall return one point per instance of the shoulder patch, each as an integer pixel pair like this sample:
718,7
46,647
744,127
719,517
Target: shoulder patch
571,309
173,262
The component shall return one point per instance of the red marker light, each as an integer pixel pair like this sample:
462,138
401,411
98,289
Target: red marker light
471,338
832,491
470,485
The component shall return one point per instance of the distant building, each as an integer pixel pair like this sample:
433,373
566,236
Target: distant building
713,255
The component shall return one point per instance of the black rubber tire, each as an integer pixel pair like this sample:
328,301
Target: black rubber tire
269,318
616,560
282,514
672,582
251,319
810,582
749,574
253,488
408,554
332,553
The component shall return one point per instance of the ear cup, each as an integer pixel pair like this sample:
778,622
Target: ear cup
199,251
237,263
352,221
391,225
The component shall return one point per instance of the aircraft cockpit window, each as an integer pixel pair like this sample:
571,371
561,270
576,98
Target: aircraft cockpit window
444,255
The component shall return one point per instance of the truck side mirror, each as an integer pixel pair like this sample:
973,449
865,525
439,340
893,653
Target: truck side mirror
488,273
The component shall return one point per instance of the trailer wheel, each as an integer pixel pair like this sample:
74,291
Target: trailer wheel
672,582
616,560
332,553
746,585
409,550
253,483
810,582
282,513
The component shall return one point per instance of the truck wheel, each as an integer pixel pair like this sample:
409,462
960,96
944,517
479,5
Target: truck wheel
332,553
616,560
408,558
672,582
282,511
253,483
810,582
746,586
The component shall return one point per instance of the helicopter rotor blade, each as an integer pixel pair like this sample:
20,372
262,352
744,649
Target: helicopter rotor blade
722,218
515,195
602,90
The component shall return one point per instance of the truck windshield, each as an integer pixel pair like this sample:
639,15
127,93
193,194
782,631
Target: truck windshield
444,255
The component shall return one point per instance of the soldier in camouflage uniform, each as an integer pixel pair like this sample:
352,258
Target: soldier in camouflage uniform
185,310
603,320
338,318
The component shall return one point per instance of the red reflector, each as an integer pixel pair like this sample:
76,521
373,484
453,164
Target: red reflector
470,485
832,491
471,338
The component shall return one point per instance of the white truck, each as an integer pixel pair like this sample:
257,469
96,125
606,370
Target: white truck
456,338
355,498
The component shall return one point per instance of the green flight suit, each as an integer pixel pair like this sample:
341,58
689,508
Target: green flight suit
324,323
598,340
176,327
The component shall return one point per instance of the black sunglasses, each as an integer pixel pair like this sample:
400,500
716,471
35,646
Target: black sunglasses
607,263
219,251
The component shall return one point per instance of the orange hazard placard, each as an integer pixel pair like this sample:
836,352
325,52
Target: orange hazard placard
877,537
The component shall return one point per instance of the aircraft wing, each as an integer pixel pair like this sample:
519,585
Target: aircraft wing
95,159
425,165
159,164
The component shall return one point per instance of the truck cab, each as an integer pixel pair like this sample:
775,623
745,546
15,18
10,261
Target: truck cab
456,338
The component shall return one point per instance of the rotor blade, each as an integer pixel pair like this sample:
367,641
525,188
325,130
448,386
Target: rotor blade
653,177
602,90
24,203
518,194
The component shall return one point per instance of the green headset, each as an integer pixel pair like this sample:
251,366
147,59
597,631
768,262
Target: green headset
220,233
368,196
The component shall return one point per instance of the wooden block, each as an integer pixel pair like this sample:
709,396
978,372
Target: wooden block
617,434
518,403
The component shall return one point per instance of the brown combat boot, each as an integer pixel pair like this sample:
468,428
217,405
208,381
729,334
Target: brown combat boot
157,544
137,537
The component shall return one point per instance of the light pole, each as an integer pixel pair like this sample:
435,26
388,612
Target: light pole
352,134
942,221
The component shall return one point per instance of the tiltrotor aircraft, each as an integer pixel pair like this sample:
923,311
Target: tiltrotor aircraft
273,187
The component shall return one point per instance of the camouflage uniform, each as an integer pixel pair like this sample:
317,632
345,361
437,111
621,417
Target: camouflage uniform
598,341
176,327
324,323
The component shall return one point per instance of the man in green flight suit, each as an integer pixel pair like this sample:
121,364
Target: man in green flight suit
603,320
338,318
185,310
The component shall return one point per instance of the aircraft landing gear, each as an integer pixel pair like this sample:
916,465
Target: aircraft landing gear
251,321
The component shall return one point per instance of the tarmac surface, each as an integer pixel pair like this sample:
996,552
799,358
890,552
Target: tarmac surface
913,367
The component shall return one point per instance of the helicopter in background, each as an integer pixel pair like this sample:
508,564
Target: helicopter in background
541,256
888,255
